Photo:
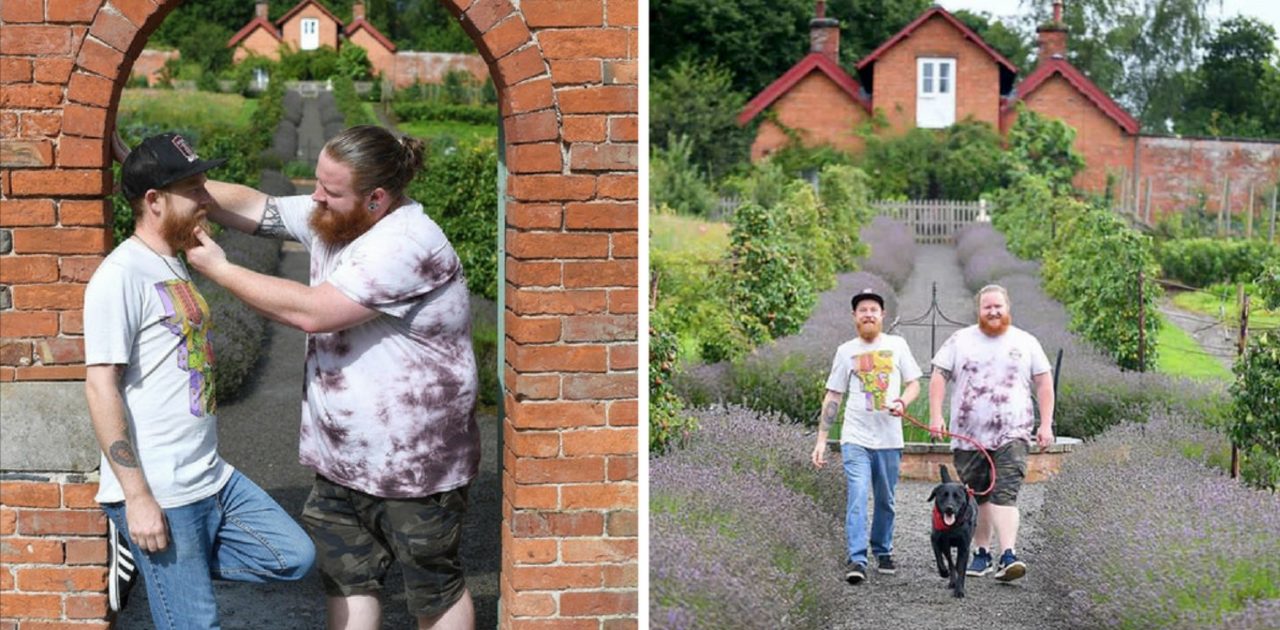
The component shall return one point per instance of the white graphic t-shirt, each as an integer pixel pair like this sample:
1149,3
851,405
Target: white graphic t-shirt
138,312
872,374
992,400
389,406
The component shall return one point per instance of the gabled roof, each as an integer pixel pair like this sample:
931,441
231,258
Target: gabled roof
301,5
372,30
924,17
1081,83
811,62
250,28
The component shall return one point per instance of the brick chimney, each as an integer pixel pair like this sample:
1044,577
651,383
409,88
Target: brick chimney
260,10
1053,36
357,11
824,33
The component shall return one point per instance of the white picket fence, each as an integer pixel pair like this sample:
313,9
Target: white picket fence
934,220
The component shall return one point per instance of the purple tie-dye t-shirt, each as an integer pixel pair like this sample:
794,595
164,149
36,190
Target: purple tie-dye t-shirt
389,405
992,400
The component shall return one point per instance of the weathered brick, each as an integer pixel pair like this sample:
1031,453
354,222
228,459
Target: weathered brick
32,297
533,216
600,386
535,158
15,12
560,13
53,70
136,10
624,129
23,212
35,40
31,96
601,441
61,183
602,273
624,468
520,65
532,127
60,351
526,245
584,128
531,330
72,11
621,356
618,187
99,58
623,13
621,73
531,497
79,495
583,43
114,29
554,415
33,551
484,14
55,522
14,352
623,301
599,496
624,245
600,328
76,152
63,579
623,523
49,373
555,578
602,216
623,413
576,358
72,323
510,34
576,71
31,606
78,268
560,524
601,603
604,157
19,324
79,120
556,302
608,99
24,153
86,606
9,124
531,551
29,270
29,494
558,470
534,274
90,89
73,212
551,187
15,70
86,551
38,124
61,240
529,604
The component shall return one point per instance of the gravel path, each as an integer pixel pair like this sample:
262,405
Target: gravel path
915,597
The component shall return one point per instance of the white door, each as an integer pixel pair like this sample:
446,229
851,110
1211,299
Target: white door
310,34
935,92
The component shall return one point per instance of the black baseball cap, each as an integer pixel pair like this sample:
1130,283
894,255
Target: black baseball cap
158,162
866,294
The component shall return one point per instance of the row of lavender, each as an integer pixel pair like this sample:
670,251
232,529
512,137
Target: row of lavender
1204,551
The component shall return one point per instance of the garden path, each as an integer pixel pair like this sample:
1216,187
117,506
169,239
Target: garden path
258,434
915,597
1214,338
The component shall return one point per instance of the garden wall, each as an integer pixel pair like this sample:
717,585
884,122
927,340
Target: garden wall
567,82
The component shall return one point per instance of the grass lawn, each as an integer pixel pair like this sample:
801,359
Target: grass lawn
1180,355
183,109
688,235
462,132
1219,300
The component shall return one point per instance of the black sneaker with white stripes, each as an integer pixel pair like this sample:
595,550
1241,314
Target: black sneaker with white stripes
120,568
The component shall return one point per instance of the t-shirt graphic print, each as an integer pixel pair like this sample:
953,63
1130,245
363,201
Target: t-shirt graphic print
187,316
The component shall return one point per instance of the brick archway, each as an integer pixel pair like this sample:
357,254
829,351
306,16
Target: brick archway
567,76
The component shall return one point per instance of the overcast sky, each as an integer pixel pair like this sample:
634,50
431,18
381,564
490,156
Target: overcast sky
1266,10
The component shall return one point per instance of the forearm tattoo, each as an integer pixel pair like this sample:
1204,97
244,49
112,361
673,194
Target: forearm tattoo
122,453
272,225
828,416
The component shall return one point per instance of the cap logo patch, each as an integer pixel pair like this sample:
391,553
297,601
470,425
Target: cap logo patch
185,149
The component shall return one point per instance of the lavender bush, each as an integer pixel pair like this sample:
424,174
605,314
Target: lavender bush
893,250
737,538
238,331
1201,551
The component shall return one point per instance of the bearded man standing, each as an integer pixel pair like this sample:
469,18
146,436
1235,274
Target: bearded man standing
177,512
880,376
388,408
994,366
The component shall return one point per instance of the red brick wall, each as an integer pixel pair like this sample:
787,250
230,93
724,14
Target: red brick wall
1106,147
260,43
1181,169
977,76
410,67
52,554
819,110
151,62
567,75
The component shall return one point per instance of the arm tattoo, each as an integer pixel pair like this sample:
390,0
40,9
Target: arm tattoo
829,416
122,453
272,224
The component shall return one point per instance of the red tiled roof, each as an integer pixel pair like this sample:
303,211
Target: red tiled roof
250,27
924,17
372,30
301,5
1081,83
811,62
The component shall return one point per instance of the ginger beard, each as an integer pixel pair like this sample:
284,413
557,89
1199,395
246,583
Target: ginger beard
179,232
339,228
995,325
868,328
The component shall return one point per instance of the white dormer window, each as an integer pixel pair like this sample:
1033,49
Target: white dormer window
935,92
310,34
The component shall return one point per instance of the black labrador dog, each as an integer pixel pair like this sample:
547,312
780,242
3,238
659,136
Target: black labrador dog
955,516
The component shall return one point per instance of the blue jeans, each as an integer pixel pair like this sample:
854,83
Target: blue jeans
876,470
239,534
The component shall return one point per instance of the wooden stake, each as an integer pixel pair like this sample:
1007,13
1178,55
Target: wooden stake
1248,218
1242,346
1142,324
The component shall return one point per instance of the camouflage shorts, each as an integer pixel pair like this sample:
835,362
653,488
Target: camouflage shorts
1011,468
358,536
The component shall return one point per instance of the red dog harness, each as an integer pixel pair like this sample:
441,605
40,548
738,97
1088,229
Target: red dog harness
939,525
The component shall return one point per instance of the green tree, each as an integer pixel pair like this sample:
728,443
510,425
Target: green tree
1016,47
1141,52
353,62
1235,88
865,24
1039,145
696,100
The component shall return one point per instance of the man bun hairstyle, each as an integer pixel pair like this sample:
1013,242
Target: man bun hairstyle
377,158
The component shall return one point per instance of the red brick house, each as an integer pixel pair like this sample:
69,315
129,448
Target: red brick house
936,71
309,26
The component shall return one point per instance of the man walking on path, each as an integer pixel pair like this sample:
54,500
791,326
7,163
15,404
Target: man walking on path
177,512
994,366
880,376
388,410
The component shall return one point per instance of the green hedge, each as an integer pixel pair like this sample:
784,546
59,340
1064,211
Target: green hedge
353,111
1201,262
419,111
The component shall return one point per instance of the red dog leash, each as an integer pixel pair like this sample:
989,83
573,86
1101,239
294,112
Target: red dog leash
968,439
